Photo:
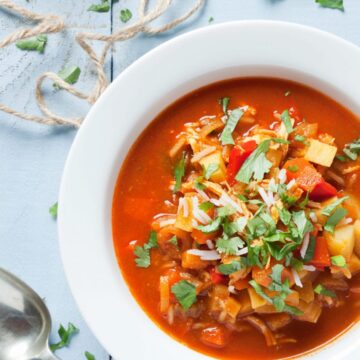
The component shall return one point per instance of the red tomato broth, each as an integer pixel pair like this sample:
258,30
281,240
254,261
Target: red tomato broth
142,188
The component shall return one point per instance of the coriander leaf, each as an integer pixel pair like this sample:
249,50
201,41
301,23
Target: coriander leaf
179,173
276,273
103,7
230,268
330,208
255,163
338,260
89,356
70,75
285,215
351,151
302,223
331,4
35,43
292,310
257,227
198,185
125,15
229,246
280,141
213,226
304,202
185,293
53,210
300,138
259,290
65,336
143,252
225,211
286,119
224,102
296,264
226,136
174,241
321,290
211,169
205,206
143,257
309,255
334,219
284,195
293,168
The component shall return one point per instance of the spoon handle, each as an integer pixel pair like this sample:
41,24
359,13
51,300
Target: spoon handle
47,355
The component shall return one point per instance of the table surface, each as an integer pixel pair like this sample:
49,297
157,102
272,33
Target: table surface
32,156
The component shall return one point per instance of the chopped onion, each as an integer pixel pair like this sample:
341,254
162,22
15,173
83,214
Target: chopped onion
203,194
305,245
210,244
309,267
313,217
227,200
264,196
291,184
282,176
208,255
296,278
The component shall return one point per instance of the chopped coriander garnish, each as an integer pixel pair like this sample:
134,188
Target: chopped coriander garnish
321,290
142,253
229,246
174,241
230,268
53,210
286,119
256,164
300,138
351,151
125,15
285,216
70,75
89,356
310,250
224,102
327,211
103,7
331,4
211,169
226,136
185,293
65,336
280,141
179,173
334,219
304,202
338,260
198,183
205,206
213,226
302,223
287,93
293,168
35,43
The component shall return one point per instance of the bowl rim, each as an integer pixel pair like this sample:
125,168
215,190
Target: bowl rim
70,230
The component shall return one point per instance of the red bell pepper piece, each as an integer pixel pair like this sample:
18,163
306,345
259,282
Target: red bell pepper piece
217,278
321,257
238,155
323,191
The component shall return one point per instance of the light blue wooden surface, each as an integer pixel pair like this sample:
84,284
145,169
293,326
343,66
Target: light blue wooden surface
32,156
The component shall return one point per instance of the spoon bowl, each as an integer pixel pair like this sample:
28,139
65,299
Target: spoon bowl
25,321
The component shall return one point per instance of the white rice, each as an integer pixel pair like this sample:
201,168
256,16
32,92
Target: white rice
296,278
282,176
305,245
210,244
291,184
208,255
309,267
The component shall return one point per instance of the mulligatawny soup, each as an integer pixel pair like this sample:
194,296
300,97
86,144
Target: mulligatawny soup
235,219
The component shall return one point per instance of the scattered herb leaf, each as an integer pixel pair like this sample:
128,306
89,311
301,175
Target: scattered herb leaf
229,246
334,219
65,336
331,4
142,253
230,268
321,290
286,119
53,210
327,211
89,356
226,136
179,173
125,15
224,102
185,293
35,43
70,75
338,260
205,206
103,7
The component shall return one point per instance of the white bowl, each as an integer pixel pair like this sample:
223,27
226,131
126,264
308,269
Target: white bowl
247,48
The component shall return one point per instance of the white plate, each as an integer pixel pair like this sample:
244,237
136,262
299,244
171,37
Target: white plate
247,48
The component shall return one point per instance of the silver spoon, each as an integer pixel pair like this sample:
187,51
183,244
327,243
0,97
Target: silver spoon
25,322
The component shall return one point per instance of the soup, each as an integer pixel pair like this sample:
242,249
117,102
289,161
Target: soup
235,219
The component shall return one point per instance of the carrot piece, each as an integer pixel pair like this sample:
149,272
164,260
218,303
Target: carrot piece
241,284
321,254
214,336
201,237
305,174
261,276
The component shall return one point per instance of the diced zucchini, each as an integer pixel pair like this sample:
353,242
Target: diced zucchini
215,158
320,153
185,222
342,241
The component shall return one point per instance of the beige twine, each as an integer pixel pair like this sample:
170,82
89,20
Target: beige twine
52,23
